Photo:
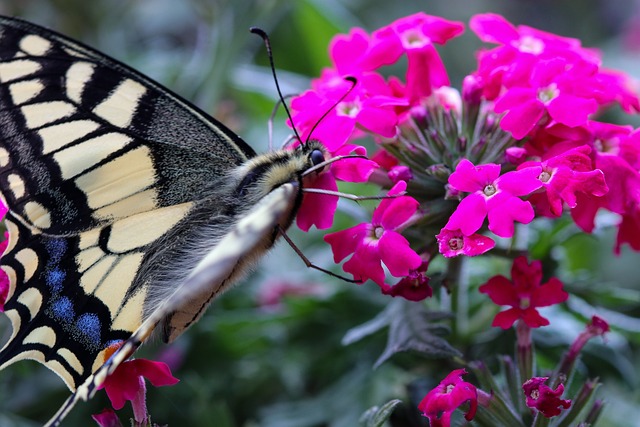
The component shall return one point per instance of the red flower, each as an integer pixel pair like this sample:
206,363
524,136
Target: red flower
597,327
524,294
127,382
543,398
439,403
414,287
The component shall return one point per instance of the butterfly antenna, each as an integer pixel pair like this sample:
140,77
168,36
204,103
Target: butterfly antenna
272,118
267,43
353,82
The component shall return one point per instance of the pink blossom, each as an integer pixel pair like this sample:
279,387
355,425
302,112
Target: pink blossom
566,174
616,155
492,195
415,35
453,243
524,294
520,48
370,105
540,78
318,209
554,88
493,28
629,228
439,403
107,418
378,242
618,88
541,397
350,53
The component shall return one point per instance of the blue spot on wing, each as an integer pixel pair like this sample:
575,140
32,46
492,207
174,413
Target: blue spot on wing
88,329
62,309
55,279
56,249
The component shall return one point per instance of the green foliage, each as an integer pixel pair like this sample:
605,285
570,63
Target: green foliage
378,416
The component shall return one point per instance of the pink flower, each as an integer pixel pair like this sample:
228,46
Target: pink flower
620,88
520,48
617,155
318,209
554,88
543,398
127,382
453,243
524,294
379,241
566,174
539,78
415,36
370,104
439,403
493,28
492,195
107,418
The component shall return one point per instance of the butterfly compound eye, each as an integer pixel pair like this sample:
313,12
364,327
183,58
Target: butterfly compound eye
317,157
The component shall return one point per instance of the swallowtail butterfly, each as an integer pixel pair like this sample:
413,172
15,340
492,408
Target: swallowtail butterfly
129,208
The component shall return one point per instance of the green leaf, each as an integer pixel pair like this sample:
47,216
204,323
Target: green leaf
411,328
379,322
377,416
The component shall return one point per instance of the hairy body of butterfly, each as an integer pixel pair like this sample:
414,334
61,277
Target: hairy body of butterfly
129,207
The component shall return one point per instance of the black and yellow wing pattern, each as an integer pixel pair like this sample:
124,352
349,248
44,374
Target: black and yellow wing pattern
128,206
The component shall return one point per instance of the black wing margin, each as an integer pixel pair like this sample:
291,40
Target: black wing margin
86,140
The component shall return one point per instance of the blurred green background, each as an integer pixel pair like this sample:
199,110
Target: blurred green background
283,365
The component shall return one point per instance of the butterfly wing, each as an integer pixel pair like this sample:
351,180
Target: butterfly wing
86,140
246,239
97,164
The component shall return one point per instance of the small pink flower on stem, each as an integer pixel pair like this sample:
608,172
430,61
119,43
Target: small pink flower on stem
524,294
452,243
379,242
439,403
597,327
492,195
541,397
127,382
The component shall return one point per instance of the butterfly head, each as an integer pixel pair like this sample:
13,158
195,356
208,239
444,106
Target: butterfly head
262,174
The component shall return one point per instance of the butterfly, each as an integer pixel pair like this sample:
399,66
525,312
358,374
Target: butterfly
129,209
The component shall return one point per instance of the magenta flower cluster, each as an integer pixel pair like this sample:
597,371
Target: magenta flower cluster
520,142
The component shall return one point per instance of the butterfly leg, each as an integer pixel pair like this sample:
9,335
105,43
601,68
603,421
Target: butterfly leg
308,263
